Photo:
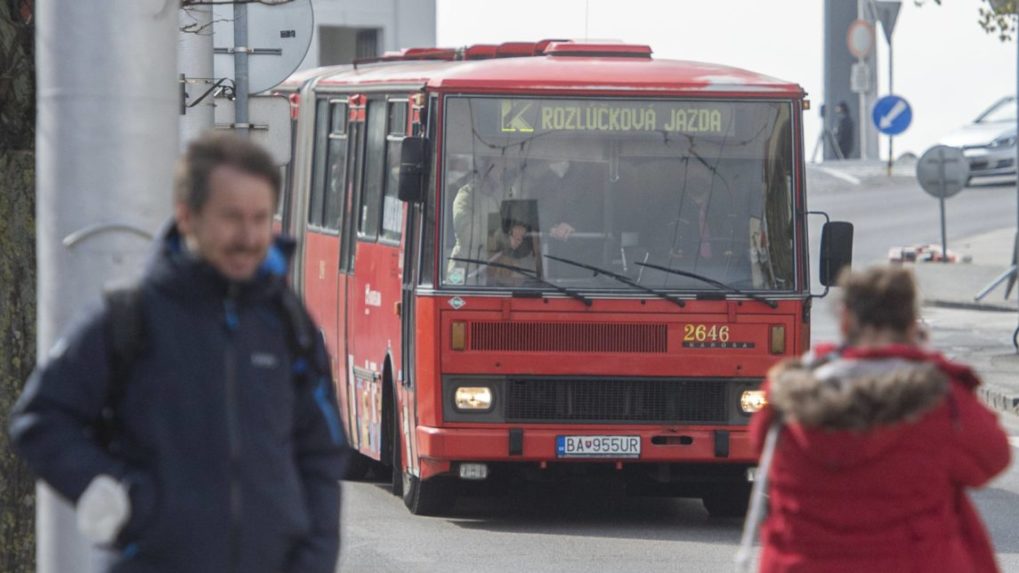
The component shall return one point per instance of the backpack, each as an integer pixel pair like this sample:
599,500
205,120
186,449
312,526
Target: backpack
126,341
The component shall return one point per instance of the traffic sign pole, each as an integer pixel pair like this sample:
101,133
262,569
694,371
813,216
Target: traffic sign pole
942,172
941,200
891,90
888,13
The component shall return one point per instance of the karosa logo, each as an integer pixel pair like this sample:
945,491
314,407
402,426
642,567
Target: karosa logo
512,116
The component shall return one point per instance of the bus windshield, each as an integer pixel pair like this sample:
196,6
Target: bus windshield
542,184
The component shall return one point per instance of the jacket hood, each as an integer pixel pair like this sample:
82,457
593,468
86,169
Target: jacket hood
177,270
856,393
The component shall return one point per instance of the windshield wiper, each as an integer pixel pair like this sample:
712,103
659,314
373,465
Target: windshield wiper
710,281
621,278
529,274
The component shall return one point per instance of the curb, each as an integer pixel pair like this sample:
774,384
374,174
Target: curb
963,305
999,399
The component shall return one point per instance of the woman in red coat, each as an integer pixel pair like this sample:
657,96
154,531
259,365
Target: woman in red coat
880,439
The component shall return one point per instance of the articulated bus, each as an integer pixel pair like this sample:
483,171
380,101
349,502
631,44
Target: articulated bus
552,261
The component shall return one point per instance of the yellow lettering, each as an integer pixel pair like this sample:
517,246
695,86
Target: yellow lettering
602,118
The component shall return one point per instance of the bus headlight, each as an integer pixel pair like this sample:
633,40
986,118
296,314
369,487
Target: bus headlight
473,398
751,401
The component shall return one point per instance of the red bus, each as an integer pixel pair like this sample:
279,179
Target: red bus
553,260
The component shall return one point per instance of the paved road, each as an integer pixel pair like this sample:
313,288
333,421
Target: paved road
565,531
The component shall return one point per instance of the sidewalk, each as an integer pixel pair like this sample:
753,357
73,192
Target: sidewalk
956,285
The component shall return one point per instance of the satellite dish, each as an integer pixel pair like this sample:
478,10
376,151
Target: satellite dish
278,35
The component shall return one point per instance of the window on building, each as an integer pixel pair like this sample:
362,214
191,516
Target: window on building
342,45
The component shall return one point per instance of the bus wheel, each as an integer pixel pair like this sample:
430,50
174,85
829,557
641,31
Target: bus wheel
427,497
358,466
398,475
727,500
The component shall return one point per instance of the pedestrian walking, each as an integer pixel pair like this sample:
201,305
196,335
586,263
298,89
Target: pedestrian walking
191,418
873,445
843,130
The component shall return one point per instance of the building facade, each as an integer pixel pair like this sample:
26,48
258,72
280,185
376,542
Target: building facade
348,30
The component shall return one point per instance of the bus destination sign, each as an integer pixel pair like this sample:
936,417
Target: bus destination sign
529,116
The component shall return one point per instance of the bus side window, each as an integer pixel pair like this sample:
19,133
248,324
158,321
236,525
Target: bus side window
318,166
374,171
336,177
392,207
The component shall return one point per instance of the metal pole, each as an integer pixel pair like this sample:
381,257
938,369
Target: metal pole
194,56
106,138
941,200
241,69
891,91
861,114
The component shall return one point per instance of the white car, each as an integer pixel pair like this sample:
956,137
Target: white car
989,142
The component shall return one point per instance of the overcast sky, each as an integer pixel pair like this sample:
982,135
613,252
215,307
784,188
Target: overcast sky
945,64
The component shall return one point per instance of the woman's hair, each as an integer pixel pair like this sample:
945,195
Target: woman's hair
882,297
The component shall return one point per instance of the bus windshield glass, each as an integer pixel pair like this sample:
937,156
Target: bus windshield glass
700,186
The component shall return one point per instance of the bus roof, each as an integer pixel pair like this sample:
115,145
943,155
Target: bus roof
548,66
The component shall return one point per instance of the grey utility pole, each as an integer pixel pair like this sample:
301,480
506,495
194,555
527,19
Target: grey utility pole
106,145
241,51
194,55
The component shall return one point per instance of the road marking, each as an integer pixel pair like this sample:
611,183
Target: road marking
838,174
1014,440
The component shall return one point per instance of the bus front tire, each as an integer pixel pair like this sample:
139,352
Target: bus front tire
397,478
727,501
427,497
358,466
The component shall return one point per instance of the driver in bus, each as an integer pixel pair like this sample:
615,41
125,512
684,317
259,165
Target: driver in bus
515,247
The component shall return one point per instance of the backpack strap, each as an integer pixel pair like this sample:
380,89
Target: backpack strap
125,337
300,331
758,504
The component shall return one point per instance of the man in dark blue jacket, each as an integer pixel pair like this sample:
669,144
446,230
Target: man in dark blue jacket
226,449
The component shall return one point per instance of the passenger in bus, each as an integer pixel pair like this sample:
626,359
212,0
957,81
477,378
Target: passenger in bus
571,198
703,231
475,203
876,442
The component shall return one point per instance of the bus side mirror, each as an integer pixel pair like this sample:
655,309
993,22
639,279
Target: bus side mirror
836,250
413,155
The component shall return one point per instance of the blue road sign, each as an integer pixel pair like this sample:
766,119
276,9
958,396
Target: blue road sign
892,115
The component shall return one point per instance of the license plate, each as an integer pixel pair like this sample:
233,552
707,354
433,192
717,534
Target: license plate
597,446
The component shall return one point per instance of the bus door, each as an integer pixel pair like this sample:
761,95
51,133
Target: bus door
323,287
374,284
412,248
353,162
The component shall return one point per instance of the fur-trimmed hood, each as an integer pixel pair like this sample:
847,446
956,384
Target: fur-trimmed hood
839,393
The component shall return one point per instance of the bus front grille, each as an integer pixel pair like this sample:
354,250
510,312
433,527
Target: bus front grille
569,337
599,400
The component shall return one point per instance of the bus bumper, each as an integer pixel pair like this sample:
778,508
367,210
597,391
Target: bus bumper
440,448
